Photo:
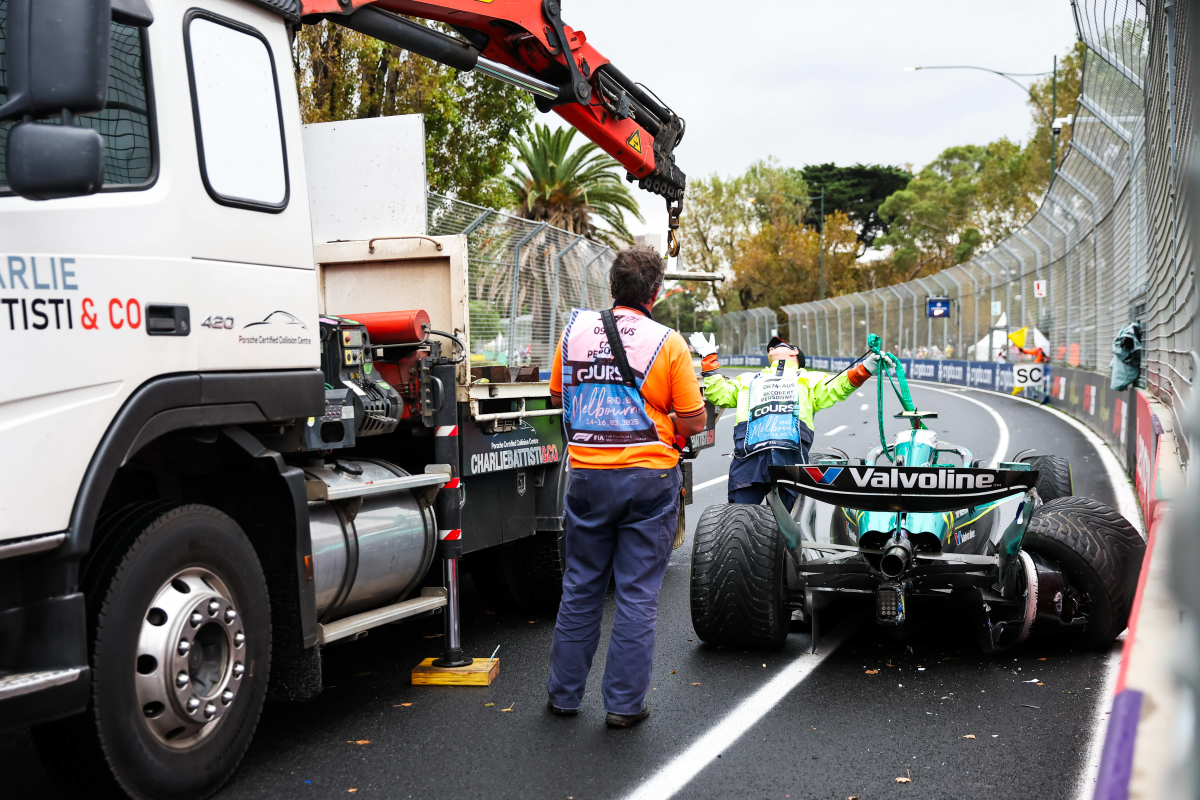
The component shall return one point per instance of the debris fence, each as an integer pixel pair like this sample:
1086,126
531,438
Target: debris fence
1110,244
524,279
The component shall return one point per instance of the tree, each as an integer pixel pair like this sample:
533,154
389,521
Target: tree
780,263
572,190
932,219
722,213
470,119
972,196
1070,81
856,191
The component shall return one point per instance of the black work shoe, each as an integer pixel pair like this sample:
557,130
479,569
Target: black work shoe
560,712
626,720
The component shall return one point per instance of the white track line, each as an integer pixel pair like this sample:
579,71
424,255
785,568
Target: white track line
678,772
836,430
707,484
1085,785
1128,506
1002,444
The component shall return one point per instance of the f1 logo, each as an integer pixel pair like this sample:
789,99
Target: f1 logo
825,476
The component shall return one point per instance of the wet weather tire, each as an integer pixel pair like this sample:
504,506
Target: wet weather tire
737,578
1054,477
1101,554
178,619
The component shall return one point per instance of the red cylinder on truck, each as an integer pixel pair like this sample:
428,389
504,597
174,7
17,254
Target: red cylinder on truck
394,327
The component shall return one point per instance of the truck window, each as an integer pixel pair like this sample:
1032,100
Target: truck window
126,123
239,124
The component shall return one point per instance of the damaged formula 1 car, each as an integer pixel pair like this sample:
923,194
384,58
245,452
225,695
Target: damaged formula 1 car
916,523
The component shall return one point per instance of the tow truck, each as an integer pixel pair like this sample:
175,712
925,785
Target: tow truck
229,447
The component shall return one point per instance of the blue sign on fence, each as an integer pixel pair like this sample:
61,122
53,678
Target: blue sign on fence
937,307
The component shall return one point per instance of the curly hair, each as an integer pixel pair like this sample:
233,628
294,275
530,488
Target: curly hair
636,274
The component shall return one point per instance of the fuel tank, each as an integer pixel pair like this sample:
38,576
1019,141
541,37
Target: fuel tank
368,551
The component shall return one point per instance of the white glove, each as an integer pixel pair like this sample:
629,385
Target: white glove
871,362
704,347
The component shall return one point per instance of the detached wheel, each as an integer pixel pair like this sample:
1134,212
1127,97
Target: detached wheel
1100,554
180,642
1054,477
737,578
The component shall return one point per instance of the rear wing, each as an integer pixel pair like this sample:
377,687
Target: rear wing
915,489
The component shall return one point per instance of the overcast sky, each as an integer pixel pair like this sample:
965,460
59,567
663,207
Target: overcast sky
811,82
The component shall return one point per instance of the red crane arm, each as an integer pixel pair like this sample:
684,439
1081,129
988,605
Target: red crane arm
522,39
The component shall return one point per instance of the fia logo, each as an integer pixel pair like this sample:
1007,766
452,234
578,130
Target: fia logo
823,476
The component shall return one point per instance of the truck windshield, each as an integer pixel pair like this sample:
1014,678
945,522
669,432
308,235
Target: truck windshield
125,122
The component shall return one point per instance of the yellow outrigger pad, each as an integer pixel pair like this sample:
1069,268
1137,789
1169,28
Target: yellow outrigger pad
480,672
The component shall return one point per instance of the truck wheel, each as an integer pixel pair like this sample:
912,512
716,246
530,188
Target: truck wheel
1054,476
526,574
737,578
1101,555
180,640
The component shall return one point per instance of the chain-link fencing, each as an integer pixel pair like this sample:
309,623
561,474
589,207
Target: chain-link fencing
524,278
1109,245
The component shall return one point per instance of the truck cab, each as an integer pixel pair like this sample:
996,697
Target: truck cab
242,422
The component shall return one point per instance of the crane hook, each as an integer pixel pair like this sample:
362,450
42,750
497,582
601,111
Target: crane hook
673,212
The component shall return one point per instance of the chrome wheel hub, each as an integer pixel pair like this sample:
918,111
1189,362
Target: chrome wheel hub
190,658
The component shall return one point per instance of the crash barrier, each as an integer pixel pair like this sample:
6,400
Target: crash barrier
524,277
1110,244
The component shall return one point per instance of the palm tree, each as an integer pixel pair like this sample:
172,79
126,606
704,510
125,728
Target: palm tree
572,190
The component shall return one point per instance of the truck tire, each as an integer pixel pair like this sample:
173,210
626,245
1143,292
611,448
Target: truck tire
1101,554
1054,477
526,574
737,577
179,630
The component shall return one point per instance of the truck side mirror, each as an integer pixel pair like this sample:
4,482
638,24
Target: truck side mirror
57,64
46,162
57,57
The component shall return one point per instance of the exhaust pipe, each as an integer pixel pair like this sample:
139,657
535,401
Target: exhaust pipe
896,557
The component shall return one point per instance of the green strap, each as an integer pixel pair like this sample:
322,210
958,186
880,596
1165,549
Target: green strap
889,364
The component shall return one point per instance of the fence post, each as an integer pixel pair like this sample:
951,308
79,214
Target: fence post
1078,263
1021,262
899,320
935,277
866,319
587,285
1007,292
810,316
839,316
958,286
825,313
1066,279
991,305
558,259
516,291
1049,261
1037,275
913,336
1091,198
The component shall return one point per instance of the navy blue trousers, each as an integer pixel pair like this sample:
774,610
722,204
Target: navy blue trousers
749,481
618,523
755,493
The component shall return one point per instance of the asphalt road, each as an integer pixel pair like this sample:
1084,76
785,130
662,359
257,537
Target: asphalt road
839,733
